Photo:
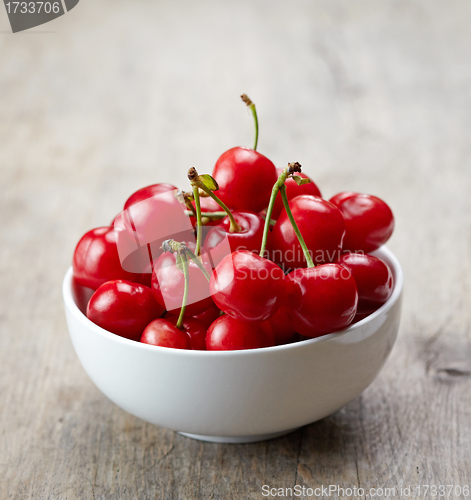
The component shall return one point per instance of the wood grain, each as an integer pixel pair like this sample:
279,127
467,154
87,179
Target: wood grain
368,96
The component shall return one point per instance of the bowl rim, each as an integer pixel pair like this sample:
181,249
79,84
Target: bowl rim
73,308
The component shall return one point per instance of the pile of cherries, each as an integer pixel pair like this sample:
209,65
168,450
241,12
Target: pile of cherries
265,261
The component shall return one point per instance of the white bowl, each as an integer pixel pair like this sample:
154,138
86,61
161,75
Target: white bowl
236,396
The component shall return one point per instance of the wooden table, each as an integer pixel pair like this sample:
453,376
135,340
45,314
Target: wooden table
368,96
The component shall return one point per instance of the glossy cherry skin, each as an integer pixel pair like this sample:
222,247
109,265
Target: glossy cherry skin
373,277
163,333
293,190
321,225
369,221
245,179
221,242
168,285
247,286
147,192
96,259
195,330
208,316
323,299
151,215
339,197
229,334
282,326
123,308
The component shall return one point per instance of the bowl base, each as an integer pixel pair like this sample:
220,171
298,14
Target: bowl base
238,439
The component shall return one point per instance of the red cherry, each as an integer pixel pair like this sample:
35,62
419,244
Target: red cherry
324,299
145,278
373,277
282,326
96,259
168,284
229,334
248,238
148,192
369,221
123,308
163,333
338,198
293,190
195,330
208,316
151,215
247,286
245,179
321,225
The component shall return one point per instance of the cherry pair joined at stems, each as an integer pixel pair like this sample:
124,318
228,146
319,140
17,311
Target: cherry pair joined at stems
321,299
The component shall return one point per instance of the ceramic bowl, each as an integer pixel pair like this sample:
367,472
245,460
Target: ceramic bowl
236,396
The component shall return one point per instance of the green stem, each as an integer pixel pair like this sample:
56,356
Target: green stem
195,259
234,227
307,255
209,215
276,187
184,262
251,105
254,113
199,224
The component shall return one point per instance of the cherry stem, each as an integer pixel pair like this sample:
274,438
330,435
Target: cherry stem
195,259
279,186
199,224
274,192
186,198
197,183
173,246
209,215
251,105
307,255
184,262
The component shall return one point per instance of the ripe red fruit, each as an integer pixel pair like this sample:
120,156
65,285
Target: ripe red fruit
321,225
373,277
148,192
282,326
96,259
151,216
247,286
369,221
229,334
195,330
123,308
338,198
164,334
245,178
293,190
168,285
323,299
248,238
208,316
